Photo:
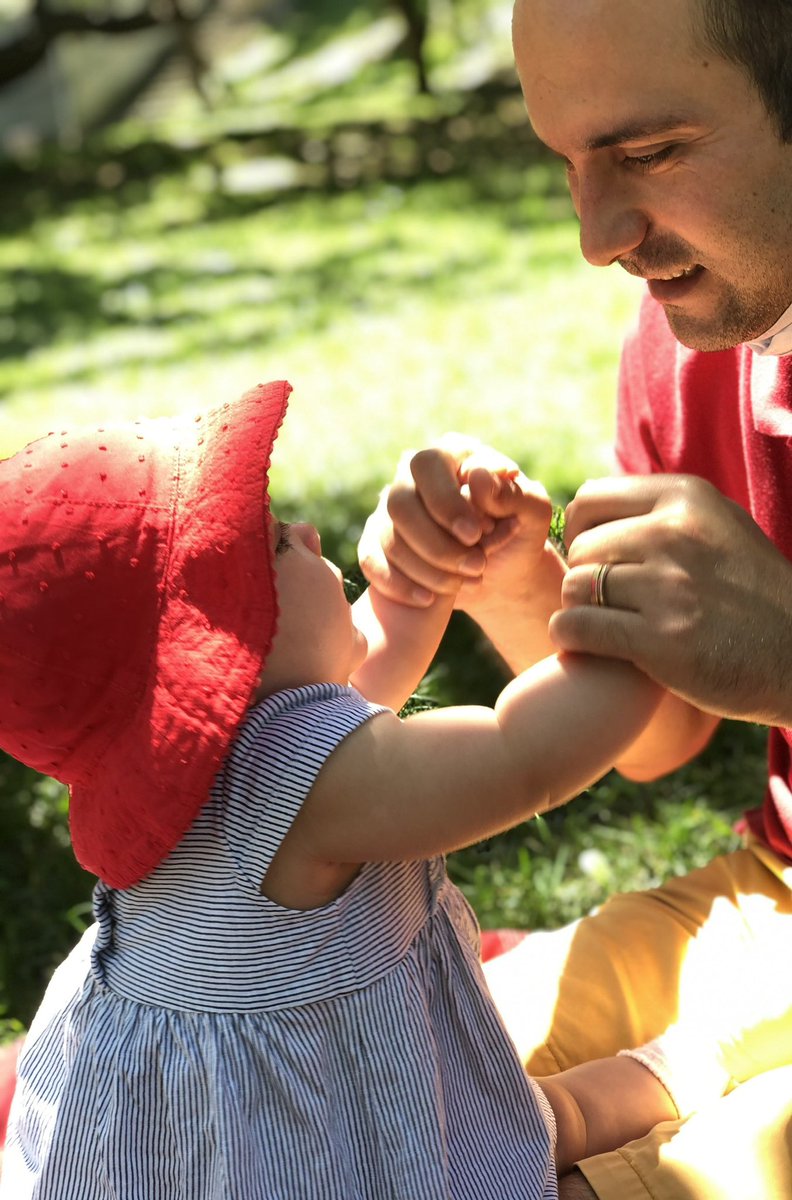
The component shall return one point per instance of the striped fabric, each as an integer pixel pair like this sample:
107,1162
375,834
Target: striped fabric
204,1043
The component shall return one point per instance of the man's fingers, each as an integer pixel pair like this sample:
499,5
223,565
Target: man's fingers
513,504
601,501
468,564
622,586
618,541
464,488
506,494
402,573
387,578
487,459
607,632
417,537
447,511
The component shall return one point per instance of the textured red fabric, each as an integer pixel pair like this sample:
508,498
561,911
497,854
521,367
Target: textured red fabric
8,1060
498,941
137,607
727,417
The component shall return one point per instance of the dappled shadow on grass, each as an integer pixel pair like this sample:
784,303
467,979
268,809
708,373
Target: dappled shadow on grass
48,303
51,304
482,156
44,894
313,22
618,836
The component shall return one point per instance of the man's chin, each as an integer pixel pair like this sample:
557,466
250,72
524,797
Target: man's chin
729,323
707,336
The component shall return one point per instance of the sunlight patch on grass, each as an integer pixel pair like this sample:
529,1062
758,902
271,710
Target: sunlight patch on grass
396,313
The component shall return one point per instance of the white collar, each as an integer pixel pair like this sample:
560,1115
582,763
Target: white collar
778,339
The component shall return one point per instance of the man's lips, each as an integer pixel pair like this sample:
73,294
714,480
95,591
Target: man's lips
673,288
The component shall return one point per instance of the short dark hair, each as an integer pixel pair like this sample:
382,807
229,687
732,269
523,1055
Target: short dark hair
757,36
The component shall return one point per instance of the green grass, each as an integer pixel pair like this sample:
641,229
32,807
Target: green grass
411,265
398,308
617,837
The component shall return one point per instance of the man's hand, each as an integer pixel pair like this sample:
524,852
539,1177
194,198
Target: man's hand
459,519
696,595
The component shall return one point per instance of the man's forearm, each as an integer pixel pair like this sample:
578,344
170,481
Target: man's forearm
676,733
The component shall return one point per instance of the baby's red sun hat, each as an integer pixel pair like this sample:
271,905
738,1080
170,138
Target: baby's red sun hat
137,609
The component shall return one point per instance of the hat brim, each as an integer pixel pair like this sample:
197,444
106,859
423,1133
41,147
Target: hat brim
216,622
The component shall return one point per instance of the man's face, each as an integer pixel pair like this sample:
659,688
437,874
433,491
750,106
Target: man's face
674,165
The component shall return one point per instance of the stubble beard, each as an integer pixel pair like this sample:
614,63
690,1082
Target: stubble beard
740,316
738,320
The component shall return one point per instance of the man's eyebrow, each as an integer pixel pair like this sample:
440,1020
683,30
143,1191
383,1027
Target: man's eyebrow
636,131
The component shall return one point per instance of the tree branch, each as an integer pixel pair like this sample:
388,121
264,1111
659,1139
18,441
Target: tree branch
21,55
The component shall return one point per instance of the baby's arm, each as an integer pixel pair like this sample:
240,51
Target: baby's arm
402,642
604,1104
401,790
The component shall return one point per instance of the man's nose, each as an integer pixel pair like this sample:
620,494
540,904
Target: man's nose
612,223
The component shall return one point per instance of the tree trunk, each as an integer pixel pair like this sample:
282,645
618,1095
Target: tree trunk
416,14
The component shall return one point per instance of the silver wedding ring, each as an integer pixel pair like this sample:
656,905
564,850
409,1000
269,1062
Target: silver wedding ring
598,596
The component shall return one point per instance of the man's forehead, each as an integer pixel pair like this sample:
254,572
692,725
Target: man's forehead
603,25
637,129
593,81
605,11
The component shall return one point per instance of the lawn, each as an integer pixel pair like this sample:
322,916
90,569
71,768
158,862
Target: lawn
411,265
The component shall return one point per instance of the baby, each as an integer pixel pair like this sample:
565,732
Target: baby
281,996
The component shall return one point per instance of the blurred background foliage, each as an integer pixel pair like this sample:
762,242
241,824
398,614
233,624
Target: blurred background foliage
198,196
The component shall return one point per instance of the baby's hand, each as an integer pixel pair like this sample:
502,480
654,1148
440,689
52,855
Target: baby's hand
515,513
459,518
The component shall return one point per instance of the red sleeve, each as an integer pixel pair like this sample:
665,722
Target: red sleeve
679,410
645,380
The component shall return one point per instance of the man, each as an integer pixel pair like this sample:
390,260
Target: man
674,122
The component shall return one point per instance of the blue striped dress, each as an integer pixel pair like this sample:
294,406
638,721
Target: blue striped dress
204,1043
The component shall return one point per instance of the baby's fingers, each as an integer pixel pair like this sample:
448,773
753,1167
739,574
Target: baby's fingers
511,498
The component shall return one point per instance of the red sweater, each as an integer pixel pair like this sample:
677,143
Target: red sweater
727,417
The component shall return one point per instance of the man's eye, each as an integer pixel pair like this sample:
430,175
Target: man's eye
283,543
645,162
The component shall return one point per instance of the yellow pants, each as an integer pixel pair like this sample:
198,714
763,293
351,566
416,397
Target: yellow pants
711,951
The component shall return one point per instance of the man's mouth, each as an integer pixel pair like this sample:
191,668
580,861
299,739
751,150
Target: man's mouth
685,273
674,287
649,272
